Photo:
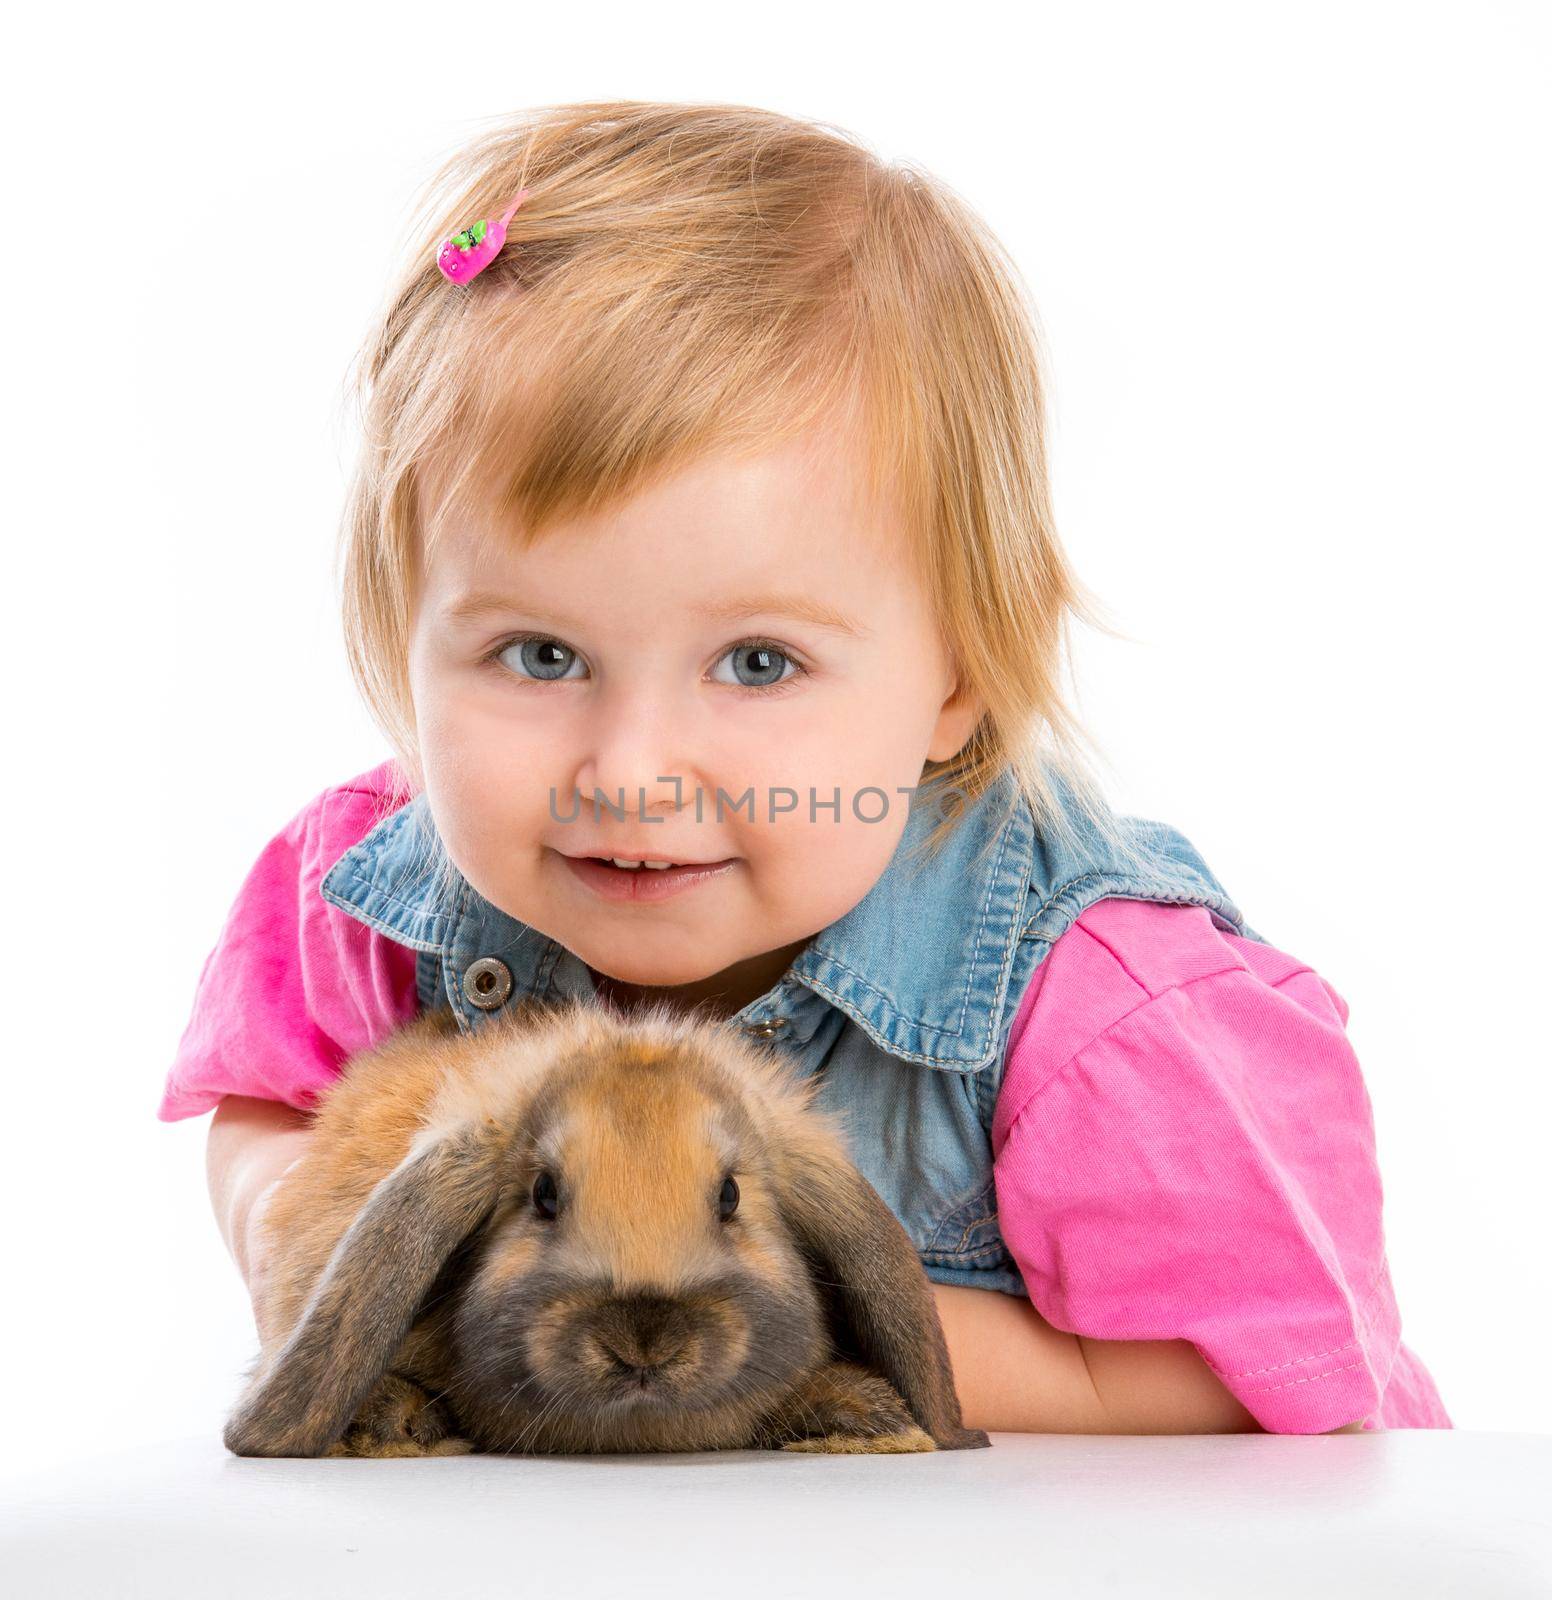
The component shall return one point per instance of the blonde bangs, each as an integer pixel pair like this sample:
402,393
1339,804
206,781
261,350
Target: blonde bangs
601,388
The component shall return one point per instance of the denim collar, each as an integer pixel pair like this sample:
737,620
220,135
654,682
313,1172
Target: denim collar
921,964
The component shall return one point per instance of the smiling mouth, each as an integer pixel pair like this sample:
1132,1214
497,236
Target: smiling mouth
650,869
629,882
646,864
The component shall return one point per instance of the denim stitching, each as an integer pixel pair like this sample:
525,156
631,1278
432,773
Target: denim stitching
359,881
956,1063
914,1055
388,930
453,972
964,1004
979,1222
390,827
1138,890
978,1219
372,887
947,1258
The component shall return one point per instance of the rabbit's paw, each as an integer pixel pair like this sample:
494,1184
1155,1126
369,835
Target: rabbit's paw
399,1418
843,1409
907,1442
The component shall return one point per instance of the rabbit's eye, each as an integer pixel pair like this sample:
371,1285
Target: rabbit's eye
727,1201
546,1197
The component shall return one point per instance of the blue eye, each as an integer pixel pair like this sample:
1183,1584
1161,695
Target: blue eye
538,657
759,665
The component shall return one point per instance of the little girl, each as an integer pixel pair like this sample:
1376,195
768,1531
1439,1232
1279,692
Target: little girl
701,573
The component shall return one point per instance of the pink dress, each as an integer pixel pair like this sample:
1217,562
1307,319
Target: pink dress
1183,1144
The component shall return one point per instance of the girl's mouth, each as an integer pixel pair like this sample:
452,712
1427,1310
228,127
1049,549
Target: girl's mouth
643,883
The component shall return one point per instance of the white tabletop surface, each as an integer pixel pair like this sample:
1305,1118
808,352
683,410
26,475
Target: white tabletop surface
1412,1513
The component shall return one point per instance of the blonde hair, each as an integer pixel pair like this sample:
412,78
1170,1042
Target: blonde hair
689,278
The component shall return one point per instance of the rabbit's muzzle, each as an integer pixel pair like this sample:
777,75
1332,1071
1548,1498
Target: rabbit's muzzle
642,1340
597,1361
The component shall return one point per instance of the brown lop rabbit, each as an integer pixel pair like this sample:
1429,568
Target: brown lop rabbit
573,1232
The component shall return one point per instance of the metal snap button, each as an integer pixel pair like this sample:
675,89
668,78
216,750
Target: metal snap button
767,1029
487,982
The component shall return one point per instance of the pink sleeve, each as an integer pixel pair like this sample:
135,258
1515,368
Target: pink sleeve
1203,1168
293,985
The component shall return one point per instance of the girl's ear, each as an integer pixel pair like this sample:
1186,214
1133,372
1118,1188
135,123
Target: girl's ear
368,1296
881,1301
957,720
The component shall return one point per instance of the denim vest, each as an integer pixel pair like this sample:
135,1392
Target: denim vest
902,1006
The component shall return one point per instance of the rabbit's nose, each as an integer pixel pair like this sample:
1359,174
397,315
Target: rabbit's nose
642,1334
639,1363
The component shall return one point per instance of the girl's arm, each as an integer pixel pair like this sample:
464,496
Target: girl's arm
1017,1374
250,1144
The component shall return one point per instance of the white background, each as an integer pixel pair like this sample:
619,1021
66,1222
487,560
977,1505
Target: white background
1291,263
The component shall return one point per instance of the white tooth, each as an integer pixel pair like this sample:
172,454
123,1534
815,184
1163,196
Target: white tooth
657,866
616,860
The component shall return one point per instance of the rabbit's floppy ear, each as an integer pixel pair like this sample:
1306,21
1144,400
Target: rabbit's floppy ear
367,1297
864,1260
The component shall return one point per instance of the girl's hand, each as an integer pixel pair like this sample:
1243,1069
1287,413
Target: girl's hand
258,1252
252,1144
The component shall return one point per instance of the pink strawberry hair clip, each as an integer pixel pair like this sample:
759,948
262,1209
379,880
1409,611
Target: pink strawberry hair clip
470,252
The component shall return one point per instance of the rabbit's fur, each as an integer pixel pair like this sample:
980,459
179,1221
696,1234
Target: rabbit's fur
418,1301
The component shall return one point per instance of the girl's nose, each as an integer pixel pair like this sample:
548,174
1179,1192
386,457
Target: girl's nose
635,756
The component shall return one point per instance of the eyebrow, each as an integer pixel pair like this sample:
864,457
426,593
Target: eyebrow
800,608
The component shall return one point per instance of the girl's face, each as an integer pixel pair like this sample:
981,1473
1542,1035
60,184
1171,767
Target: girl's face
747,625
